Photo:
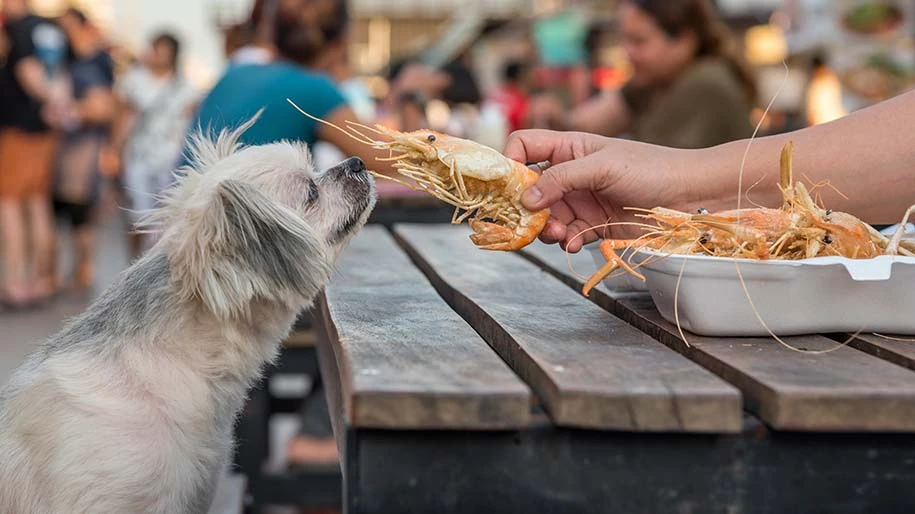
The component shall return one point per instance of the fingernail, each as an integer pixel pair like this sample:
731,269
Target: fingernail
532,196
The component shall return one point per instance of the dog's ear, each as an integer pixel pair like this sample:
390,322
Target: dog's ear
240,246
204,148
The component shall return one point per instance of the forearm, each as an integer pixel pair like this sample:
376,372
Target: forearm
868,156
123,123
30,75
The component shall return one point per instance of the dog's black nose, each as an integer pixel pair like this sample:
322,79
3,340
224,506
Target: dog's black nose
354,166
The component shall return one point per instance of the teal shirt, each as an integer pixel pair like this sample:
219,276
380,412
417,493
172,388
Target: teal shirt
245,89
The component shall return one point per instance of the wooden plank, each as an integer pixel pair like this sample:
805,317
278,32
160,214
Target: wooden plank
844,390
402,357
332,375
900,351
589,368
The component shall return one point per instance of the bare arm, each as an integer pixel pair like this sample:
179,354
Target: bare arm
30,75
869,155
124,119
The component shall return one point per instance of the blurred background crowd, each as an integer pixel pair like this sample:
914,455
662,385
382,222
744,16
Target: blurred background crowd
97,96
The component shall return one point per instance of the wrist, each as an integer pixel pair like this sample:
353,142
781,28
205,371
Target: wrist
712,178
696,179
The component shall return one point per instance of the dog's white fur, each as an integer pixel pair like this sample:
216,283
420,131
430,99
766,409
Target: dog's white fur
130,408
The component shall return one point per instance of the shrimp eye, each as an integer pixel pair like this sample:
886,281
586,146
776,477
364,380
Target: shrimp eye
431,138
702,210
827,239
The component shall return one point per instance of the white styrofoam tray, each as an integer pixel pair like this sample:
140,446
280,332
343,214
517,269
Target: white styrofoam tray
819,295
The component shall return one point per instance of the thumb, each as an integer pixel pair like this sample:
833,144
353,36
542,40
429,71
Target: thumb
577,175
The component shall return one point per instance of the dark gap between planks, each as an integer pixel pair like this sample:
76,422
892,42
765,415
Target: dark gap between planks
538,410
760,398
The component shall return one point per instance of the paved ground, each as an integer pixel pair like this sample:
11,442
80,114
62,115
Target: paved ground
22,330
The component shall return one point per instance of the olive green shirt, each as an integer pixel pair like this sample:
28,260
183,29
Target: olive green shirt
706,106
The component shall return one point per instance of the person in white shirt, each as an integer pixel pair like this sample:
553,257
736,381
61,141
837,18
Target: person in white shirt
157,103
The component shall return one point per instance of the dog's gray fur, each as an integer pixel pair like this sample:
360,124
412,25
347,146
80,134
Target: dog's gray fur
130,408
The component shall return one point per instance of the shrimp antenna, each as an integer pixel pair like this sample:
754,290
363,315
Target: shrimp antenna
357,136
352,123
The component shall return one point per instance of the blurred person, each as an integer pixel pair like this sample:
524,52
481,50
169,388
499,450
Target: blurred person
156,104
77,176
303,30
332,60
689,86
31,106
462,85
514,93
251,41
463,96
413,84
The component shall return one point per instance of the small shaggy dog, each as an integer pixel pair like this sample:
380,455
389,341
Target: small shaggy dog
130,408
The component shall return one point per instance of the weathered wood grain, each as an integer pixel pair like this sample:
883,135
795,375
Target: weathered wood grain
402,358
899,350
844,390
589,368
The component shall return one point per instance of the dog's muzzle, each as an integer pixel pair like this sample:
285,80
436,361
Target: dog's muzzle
355,178
350,168
358,193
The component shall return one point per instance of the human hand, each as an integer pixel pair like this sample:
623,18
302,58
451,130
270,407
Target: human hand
59,115
592,180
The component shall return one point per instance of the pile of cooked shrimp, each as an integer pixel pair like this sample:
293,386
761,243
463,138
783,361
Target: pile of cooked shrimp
800,229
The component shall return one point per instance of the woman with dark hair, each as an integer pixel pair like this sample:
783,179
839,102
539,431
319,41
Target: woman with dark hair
302,31
251,41
689,86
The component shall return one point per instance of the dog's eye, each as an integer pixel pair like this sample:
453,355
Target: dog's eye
312,193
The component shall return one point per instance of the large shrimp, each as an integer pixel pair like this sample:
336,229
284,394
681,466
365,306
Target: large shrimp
483,185
800,229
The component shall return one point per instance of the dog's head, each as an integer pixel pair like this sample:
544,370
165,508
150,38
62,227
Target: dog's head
258,223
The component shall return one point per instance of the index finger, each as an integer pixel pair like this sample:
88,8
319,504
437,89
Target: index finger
532,145
535,145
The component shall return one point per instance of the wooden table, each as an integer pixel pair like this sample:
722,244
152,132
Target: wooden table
461,380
